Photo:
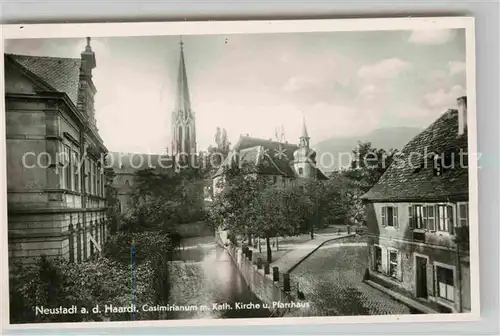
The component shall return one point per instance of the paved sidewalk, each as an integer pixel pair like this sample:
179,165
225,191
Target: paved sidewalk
404,299
298,253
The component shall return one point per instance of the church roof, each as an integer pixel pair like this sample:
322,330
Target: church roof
267,156
414,180
60,74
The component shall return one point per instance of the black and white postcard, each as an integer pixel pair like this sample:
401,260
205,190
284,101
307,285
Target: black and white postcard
257,172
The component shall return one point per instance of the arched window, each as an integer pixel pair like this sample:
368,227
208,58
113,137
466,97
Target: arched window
187,144
301,171
179,139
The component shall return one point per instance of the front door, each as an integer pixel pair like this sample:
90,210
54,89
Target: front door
421,276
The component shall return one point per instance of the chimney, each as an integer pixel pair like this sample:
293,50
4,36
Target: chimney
462,115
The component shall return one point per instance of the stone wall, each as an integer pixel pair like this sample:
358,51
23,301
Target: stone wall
270,292
60,234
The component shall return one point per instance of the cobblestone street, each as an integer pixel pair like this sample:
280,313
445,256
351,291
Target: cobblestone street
331,279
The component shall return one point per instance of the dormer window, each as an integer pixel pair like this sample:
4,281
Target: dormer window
443,163
438,166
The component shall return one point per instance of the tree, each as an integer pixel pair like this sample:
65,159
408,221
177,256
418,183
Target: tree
112,201
369,164
218,153
239,188
274,213
162,199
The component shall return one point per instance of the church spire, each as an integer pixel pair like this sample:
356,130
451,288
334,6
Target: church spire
304,137
183,119
183,101
304,128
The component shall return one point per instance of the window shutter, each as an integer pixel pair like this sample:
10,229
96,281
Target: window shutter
373,257
462,214
388,262
430,280
410,217
395,215
449,211
400,266
384,216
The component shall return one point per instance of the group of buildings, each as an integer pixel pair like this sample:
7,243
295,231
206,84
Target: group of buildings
56,184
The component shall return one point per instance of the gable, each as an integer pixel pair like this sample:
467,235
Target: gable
57,74
17,82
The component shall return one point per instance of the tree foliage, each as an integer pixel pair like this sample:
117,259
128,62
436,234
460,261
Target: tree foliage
221,149
369,164
102,281
161,200
113,204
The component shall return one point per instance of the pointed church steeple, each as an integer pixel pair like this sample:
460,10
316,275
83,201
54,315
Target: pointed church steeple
304,158
304,137
183,119
183,102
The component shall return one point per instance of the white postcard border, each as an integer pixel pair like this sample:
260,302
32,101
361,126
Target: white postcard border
20,31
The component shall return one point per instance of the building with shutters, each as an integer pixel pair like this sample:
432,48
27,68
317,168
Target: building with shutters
55,184
417,211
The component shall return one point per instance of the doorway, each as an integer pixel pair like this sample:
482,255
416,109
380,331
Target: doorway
421,277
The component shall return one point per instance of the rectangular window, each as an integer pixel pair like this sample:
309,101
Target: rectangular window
393,263
390,216
377,266
429,217
423,217
445,218
445,287
76,171
463,214
95,178
98,179
103,184
61,168
87,176
91,177
67,167
418,217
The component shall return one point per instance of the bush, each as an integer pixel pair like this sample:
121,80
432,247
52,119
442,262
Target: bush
106,280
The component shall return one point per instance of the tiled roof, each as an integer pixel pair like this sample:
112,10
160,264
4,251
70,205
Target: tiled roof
269,157
62,74
412,177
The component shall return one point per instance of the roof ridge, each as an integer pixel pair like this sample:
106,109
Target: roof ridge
401,181
268,140
47,57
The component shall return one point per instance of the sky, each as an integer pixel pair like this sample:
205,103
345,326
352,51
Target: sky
343,83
